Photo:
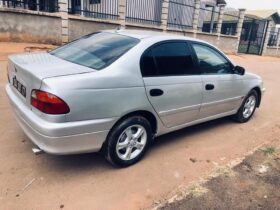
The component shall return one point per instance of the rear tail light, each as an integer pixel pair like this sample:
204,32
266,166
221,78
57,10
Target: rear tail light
48,103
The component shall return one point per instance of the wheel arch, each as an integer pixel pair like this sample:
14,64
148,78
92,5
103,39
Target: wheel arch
259,92
147,114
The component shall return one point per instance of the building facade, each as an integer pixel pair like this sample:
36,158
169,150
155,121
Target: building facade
64,20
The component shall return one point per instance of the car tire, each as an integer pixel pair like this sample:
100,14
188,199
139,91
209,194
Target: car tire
248,107
128,141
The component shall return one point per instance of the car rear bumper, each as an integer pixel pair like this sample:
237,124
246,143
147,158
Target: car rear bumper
60,138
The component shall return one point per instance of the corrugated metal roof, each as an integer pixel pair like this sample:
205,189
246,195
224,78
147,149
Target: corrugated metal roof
221,2
264,14
256,14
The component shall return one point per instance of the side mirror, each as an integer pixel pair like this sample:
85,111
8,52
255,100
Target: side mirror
239,70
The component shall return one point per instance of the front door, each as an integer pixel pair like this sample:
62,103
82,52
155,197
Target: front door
173,86
222,90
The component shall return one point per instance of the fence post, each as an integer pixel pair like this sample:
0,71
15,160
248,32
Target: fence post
240,22
266,40
37,5
196,16
122,11
63,9
164,14
220,19
278,42
239,26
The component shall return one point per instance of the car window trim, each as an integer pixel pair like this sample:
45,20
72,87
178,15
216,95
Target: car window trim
195,63
213,48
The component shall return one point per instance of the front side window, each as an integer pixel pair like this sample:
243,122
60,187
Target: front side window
210,61
96,50
167,59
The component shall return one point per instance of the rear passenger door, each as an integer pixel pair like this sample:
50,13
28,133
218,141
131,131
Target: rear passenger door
173,84
222,89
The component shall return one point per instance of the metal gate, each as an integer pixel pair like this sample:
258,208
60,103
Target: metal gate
252,36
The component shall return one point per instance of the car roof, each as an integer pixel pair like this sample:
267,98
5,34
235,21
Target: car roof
160,36
141,34
145,35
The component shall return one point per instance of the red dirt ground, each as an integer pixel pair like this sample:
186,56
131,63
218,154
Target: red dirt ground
89,182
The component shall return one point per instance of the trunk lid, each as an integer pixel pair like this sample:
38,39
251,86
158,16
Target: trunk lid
45,65
28,71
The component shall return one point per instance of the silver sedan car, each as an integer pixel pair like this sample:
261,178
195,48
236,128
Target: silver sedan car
115,91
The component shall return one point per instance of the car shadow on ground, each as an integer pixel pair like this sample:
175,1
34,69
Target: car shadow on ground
96,161
180,135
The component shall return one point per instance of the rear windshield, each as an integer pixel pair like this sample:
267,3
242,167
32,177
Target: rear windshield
96,50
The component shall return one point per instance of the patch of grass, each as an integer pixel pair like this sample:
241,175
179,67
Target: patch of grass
197,190
270,150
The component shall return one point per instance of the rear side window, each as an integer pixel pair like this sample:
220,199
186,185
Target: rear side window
167,59
96,50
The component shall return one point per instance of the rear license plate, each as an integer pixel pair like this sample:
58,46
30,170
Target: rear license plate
20,87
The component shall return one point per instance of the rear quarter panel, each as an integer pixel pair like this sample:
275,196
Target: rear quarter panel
111,92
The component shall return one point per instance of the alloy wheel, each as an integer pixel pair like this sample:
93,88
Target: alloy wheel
131,142
249,106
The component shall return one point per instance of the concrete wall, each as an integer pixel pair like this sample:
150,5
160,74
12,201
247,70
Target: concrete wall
79,27
272,51
211,38
32,26
29,27
228,44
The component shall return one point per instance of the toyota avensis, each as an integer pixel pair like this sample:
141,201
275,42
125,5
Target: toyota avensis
115,91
